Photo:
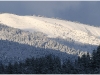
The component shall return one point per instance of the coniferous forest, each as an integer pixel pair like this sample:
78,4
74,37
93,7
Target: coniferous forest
51,64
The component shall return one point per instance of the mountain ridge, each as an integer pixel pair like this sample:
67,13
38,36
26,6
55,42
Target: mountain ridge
57,28
65,36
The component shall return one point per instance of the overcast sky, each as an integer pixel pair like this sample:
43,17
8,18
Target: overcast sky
87,12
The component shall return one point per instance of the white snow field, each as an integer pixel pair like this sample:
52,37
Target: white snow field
75,35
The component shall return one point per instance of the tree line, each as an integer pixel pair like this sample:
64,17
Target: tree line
52,64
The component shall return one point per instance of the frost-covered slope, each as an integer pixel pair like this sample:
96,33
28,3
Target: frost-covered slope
78,36
17,45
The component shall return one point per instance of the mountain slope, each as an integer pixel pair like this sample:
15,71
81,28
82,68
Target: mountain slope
53,27
48,33
14,52
19,44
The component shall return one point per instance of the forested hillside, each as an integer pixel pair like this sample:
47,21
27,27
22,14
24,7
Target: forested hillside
19,44
51,64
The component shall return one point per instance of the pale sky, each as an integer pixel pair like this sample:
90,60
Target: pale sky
87,12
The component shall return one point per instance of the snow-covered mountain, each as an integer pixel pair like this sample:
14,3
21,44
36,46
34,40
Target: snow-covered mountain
53,27
65,36
17,45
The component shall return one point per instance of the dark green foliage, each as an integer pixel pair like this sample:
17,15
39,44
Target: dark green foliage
51,64
1,68
67,67
9,68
